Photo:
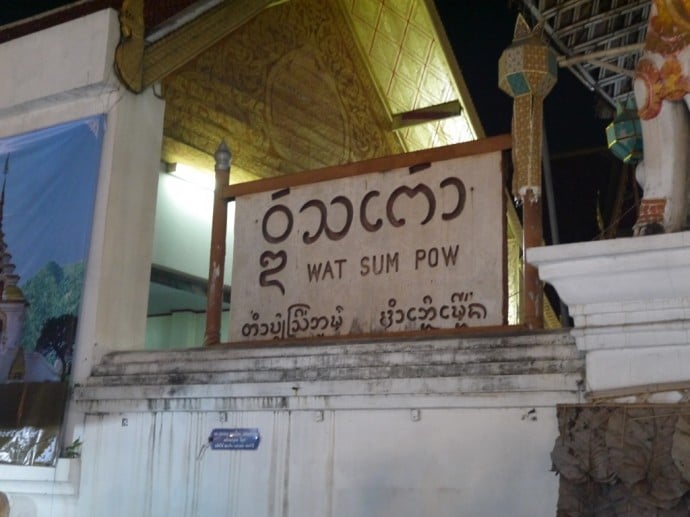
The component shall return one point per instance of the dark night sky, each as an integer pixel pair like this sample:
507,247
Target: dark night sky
13,10
479,31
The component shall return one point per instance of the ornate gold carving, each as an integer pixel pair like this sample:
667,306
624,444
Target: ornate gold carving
140,66
130,51
173,51
320,117
288,91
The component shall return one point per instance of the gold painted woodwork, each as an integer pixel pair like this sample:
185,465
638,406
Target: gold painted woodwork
262,126
139,65
288,91
130,51
297,71
413,67
190,40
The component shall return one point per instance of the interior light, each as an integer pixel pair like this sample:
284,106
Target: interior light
202,178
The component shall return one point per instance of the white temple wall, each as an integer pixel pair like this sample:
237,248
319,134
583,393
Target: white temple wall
338,463
181,243
472,439
446,426
394,428
182,237
331,463
59,63
119,264
61,74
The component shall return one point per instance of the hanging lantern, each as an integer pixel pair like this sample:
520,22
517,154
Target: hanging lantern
624,133
527,71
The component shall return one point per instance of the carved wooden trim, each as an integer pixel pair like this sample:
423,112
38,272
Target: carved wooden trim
173,51
130,51
428,114
139,66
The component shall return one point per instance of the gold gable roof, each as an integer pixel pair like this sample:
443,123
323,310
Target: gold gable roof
312,83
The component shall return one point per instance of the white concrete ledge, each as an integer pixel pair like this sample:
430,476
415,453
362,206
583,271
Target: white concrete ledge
449,372
63,479
630,303
509,391
654,267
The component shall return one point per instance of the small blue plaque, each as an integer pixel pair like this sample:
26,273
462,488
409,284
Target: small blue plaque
234,439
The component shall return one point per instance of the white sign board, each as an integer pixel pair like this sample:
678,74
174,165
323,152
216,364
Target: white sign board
408,249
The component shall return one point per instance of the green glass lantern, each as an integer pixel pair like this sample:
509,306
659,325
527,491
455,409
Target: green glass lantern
624,133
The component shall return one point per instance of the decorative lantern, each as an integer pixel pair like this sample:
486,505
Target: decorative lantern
624,133
527,70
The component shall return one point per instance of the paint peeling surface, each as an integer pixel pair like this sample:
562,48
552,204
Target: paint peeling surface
410,249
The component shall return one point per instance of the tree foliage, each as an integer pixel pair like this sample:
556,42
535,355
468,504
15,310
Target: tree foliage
57,341
52,292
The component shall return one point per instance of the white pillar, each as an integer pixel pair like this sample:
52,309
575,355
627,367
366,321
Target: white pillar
630,302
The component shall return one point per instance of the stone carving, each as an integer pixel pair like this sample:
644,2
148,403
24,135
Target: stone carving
623,460
662,88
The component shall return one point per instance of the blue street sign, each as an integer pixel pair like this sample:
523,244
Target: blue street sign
234,439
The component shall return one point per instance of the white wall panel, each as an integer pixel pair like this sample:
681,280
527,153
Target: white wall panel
337,463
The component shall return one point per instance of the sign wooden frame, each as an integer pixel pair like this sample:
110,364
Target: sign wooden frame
280,186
